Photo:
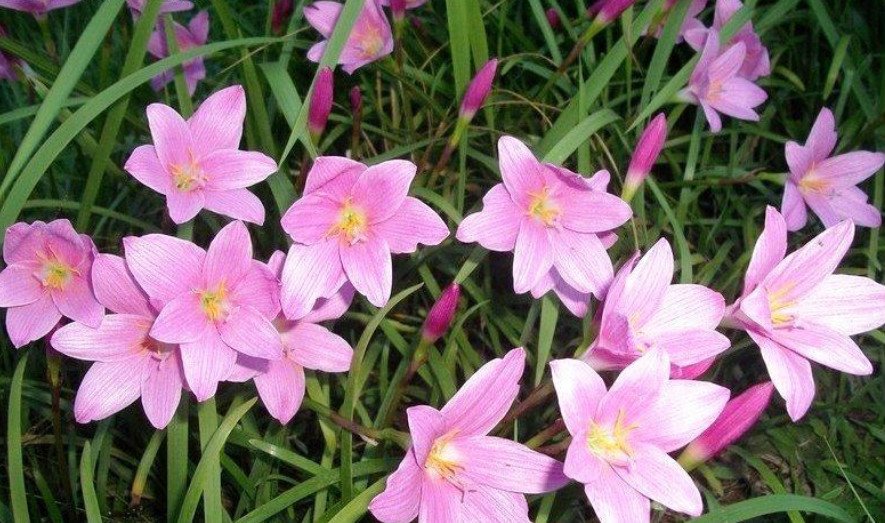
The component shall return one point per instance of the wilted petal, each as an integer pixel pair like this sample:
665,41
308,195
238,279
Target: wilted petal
507,465
109,387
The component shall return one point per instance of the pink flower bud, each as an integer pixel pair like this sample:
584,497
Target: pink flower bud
607,11
320,103
398,9
739,415
356,99
282,10
645,155
441,314
478,90
552,18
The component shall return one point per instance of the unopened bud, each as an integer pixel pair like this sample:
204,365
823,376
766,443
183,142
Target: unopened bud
320,103
478,90
552,18
645,155
282,10
398,8
441,314
607,11
356,99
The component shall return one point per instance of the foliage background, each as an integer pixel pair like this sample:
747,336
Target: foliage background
707,196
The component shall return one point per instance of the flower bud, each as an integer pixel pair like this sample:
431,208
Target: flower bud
607,11
552,18
478,90
282,10
441,314
739,415
320,104
356,99
645,155
398,8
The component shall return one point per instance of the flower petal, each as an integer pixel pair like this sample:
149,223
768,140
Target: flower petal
687,306
381,189
683,410
116,289
847,304
369,268
647,284
426,424
790,373
151,259
635,388
690,346
229,255
582,465
172,138
399,501
310,219
144,165
577,303
799,160
849,169
239,204
232,169
109,387
77,301
206,361
184,206
532,256
247,331
496,226
822,138
32,321
593,211
413,223
281,389
258,288
440,501
332,176
521,171
489,505
507,465
310,272
19,286
333,307
218,121
579,389
182,320
656,475
614,501
825,346
793,207
120,336
317,348
161,391
322,16
582,261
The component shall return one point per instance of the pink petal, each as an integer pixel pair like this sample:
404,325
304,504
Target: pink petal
247,331
229,255
579,389
315,347
239,204
310,219
23,241
172,138
849,169
647,284
684,409
199,29
310,273
521,172
32,321
258,288
109,387
206,362
576,302
793,207
532,256
333,307
77,301
369,268
822,206
690,346
582,465
399,501
769,250
120,336
851,203
592,211
161,391
19,286
218,121
181,320
507,465
738,98
281,389
184,206
381,189
687,306
144,165
489,505
486,397
790,373
727,64
635,388
115,287
799,160
440,501
656,475
847,304
615,501
713,118
822,138
582,261
426,424
323,16
333,176
151,259
231,169
825,346
413,223
496,226
316,51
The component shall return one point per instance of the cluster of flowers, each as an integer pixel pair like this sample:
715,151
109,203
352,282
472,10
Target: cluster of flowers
185,318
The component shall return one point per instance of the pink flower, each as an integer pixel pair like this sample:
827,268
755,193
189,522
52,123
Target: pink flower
194,35
440,317
410,4
197,163
369,40
690,22
306,345
168,6
642,310
47,276
129,363
739,415
320,103
557,223
718,88
455,472
798,311
645,155
216,304
38,8
755,62
621,437
478,90
828,183
346,226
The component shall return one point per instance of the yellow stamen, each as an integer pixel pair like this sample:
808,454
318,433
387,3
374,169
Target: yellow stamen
54,273
371,42
188,176
610,443
352,223
777,302
443,460
813,184
543,207
214,303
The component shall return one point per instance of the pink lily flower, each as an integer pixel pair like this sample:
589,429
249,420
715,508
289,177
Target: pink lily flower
197,163
557,223
194,35
129,363
47,277
797,311
621,437
642,310
217,304
346,226
454,471
717,86
369,40
756,63
38,8
306,345
136,7
828,184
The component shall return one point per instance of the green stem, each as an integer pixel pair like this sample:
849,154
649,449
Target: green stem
207,417
176,459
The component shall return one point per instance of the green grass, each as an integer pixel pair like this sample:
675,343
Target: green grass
65,134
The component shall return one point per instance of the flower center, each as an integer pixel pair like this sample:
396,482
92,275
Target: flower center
443,460
543,208
611,443
777,302
812,183
188,176
215,303
351,224
371,42
54,273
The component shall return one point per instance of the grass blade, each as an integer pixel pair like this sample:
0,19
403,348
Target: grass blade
17,493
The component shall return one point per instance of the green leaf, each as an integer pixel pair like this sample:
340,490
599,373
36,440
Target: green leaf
774,504
579,134
546,332
17,494
90,500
